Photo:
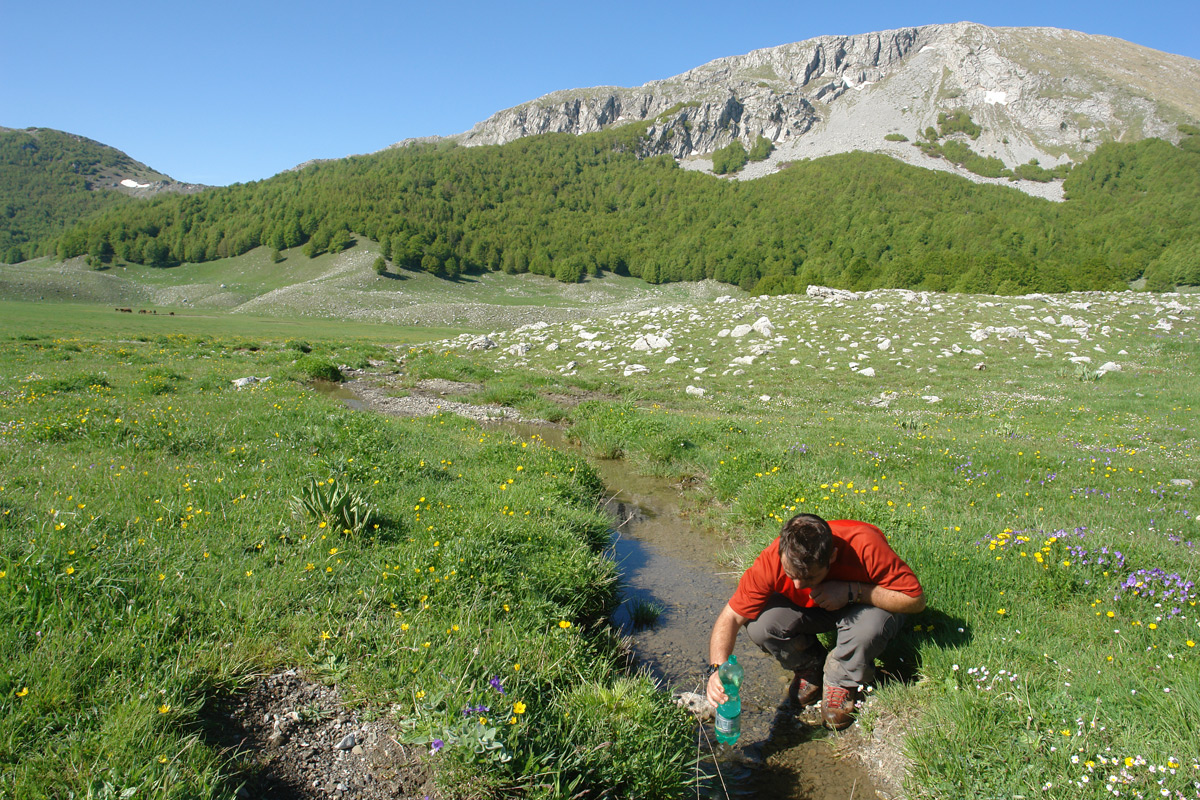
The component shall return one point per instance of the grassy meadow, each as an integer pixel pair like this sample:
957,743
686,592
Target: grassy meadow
153,558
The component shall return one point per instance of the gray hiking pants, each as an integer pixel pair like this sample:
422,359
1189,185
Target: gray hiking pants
788,633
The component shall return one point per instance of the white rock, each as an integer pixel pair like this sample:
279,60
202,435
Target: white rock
694,391
481,343
826,293
869,372
1109,366
741,330
886,344
931,398
744,361
763,326
766,398
635,369
671,360
552,346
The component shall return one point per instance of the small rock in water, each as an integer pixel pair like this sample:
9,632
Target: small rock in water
697,704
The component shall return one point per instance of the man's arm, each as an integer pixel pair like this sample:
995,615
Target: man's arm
720,646
832,595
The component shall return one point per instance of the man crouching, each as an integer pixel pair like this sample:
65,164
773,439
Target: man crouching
820,576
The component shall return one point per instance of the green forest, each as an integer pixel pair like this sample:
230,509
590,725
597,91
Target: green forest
47,182
568,206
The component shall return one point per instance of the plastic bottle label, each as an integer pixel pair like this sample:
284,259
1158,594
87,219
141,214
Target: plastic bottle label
726,725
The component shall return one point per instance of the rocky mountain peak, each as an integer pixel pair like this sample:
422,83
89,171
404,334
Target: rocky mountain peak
1038,93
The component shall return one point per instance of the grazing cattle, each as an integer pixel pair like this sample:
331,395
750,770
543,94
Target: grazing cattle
125,310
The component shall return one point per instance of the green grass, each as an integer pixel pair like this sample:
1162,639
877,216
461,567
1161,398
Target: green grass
1026,499
127,459
152,560
75,320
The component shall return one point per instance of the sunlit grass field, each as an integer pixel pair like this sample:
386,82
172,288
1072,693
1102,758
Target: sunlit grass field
152,557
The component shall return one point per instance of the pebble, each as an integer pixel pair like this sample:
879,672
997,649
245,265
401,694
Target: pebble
347,742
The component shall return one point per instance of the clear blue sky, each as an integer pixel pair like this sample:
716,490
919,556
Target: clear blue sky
218,92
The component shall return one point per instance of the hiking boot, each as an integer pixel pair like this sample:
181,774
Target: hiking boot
837,707
806,687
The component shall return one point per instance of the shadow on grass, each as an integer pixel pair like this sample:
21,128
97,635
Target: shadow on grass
931,628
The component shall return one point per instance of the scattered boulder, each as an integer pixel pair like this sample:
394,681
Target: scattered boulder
763,326
651,341
635,369
481,343
249,380
826,293
740,331
869,372
694,391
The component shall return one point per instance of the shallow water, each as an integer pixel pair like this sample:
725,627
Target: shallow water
664,560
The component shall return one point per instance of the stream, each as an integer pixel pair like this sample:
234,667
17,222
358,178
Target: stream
662,560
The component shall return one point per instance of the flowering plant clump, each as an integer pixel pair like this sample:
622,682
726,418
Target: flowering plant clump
1167,589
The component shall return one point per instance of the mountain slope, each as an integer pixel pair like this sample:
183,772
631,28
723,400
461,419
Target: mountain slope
49,179
1039,93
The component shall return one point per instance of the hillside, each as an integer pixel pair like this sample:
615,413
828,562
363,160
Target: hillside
566,206
1037,93
50,179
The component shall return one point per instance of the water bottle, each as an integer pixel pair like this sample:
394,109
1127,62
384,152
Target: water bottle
729,714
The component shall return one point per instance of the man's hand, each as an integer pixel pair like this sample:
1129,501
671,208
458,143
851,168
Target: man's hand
831,595
716,690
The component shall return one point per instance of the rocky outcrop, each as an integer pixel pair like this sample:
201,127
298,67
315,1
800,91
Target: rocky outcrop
1042,93
767,92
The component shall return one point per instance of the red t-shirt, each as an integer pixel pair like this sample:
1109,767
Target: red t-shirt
863,555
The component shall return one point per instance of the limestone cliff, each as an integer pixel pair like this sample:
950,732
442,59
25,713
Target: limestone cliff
1042,93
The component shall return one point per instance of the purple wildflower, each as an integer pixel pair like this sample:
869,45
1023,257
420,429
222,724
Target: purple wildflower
495,684
436,745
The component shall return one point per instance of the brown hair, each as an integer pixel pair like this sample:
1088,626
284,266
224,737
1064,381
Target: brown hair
805,545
